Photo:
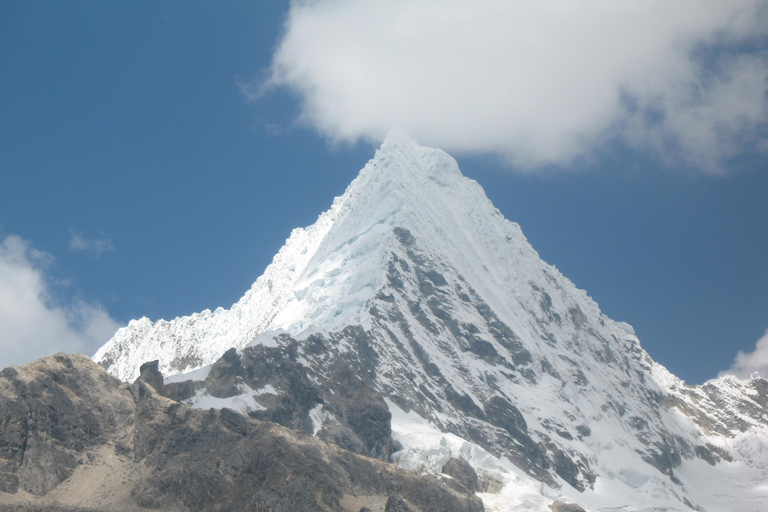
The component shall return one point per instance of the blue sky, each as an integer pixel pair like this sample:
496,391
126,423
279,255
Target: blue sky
147,170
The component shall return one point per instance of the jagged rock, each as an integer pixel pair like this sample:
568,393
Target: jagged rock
223,379
361,418
51,412
67,425
462,474
150,373
179,391
566,468
273,366
363,409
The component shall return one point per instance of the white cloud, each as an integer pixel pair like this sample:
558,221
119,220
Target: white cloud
32,323
746,363
544,82
95,246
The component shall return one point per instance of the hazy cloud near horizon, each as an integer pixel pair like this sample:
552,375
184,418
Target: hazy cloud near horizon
33,323
747,363
538,83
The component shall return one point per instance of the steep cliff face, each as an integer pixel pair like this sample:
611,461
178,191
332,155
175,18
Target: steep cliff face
75,438
414,323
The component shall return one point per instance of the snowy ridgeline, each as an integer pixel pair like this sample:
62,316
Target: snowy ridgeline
326,273
444,312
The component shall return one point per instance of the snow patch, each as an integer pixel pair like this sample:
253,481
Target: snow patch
319,417
196,375
241,403
269,389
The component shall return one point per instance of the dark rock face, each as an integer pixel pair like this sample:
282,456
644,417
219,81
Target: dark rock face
223,379
360,417
150,373
179,391
62,411
357,405
463,474
567,469
261,366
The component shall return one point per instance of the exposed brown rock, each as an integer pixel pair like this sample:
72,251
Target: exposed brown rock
561,506
73,438
464,477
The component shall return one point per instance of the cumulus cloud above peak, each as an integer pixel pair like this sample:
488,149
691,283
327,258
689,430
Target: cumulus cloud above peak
540,83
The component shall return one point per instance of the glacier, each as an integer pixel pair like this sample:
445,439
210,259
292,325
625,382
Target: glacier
478,348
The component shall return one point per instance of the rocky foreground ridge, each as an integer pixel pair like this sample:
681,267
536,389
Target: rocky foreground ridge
74,438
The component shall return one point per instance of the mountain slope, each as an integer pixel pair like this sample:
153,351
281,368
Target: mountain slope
414,288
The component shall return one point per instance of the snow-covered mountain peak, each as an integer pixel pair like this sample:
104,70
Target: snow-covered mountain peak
405,187
324,273
414,290
406,198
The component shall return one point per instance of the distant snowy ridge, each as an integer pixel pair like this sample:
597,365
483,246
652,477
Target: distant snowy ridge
417,283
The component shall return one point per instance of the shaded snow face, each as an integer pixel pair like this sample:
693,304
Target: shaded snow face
417,287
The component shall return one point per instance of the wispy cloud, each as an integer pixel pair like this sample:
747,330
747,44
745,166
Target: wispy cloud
540,83
747,363
94,246
33,323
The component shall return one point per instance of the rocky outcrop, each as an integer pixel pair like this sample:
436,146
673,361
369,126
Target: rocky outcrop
52,413
462,474
348,412
561,506
72,437
150,373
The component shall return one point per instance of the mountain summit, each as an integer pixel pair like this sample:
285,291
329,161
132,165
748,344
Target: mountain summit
414,323
325,274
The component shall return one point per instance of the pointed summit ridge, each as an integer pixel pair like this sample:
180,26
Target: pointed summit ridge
324,273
